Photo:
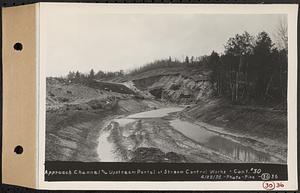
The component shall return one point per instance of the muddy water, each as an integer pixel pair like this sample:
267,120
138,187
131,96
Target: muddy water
156,113
221,144
124,121
201,135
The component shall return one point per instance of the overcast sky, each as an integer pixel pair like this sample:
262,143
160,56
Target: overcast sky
110,42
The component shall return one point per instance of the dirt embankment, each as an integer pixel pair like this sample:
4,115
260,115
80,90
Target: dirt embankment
173,84
176,88
76,113
263,128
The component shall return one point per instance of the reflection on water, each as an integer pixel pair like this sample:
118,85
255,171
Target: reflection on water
237,151
204,137
156,113
221,144
123,121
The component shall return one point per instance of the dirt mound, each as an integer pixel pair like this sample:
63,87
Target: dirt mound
64,96
140,92
110,86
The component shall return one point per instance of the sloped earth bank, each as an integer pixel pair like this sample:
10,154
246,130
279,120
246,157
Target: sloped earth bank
176,88
108,123
264,129
72,134
160,136
77,112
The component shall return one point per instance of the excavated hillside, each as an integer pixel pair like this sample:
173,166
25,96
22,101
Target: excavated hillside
176,88
181,85
91,121
260,127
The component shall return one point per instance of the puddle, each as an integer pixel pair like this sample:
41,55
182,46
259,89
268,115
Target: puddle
155,113
123,121
221,144
106,149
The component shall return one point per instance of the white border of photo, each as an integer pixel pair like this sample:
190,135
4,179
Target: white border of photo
289,9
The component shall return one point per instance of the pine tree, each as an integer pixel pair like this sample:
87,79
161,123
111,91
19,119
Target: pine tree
92,74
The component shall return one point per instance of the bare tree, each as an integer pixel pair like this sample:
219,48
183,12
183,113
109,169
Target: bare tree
281,34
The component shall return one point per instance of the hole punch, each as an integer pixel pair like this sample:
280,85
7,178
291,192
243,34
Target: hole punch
19,149
18,46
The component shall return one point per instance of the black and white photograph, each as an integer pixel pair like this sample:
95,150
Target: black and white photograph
129,96
167,88
150,97
177,97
